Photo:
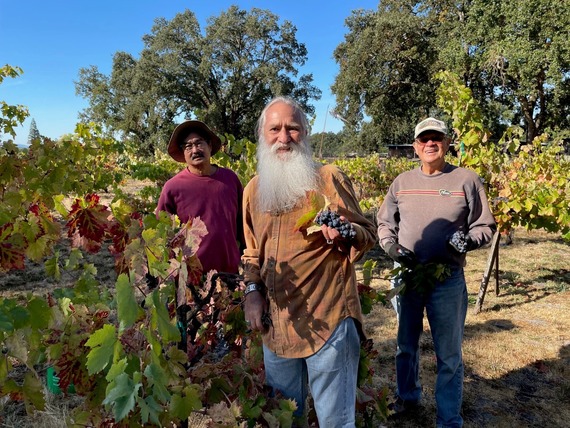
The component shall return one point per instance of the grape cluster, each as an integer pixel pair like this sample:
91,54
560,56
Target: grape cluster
332,219
459,242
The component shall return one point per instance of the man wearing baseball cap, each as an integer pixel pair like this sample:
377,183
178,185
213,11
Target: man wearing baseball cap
433,214
208,191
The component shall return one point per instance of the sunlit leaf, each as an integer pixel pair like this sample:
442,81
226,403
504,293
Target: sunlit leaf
102,343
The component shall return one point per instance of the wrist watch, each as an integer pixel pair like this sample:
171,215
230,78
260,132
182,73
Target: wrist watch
252,286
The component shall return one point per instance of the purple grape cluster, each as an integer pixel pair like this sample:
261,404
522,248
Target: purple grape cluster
332,219
459,242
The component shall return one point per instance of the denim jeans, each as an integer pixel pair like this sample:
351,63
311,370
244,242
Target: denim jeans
330,374
446,308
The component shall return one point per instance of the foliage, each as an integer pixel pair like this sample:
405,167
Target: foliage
522,56
11,116
371,176
327,144
223,76
421,278
514,58
33,183
527,185
240,156
386,62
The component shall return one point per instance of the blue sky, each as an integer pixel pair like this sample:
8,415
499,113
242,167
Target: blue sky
52,40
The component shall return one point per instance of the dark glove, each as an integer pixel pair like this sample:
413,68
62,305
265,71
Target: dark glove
461,243
401,255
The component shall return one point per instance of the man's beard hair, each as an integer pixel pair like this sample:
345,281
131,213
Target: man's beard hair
285,178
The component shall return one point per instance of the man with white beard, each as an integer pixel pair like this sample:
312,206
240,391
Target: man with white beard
301,290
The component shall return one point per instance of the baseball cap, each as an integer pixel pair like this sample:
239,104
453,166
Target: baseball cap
430,124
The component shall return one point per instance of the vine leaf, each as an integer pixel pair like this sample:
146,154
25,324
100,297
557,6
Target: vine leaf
318,202
193,232
182,406
161,320
103,343
157,377
122,396
128,310
40,314
150,410
33,393
11,255
87,223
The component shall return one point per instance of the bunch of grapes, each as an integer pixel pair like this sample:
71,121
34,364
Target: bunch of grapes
332,219
458,241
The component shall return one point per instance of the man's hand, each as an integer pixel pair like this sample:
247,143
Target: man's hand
254,306
401,255
335,226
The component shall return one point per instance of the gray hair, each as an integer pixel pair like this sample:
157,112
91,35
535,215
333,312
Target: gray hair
301,116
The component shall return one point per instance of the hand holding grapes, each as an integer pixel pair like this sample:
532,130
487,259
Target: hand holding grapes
335,226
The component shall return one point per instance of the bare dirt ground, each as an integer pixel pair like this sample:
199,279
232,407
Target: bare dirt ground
516,351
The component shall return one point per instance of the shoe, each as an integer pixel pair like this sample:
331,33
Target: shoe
399,406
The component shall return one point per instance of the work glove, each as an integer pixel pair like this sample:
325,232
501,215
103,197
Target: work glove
401,254
461,243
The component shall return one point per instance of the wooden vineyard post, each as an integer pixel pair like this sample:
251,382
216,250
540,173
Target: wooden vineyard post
492,260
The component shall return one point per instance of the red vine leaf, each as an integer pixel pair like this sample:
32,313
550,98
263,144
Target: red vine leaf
11,256
87,223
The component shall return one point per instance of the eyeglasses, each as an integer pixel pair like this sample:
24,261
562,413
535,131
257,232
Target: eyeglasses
199,144
435,138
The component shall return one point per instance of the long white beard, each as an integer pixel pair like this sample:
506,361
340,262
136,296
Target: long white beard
285,178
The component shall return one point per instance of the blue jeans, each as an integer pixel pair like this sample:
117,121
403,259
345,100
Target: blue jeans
331,375
446,308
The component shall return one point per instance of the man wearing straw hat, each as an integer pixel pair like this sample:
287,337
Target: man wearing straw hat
208,191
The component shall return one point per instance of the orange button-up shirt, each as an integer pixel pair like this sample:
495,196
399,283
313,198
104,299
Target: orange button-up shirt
311,285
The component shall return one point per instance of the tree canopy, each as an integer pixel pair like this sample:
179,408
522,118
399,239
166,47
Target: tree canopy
514,56
222,76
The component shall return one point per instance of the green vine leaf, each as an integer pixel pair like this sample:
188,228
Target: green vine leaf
121,397
103,343
158,381
161,320
40,314
128,310
33,393
150,410
182,406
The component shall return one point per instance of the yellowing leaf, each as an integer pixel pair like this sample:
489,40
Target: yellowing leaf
317,202
305,220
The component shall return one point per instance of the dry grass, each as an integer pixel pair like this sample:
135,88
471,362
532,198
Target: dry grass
516,350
